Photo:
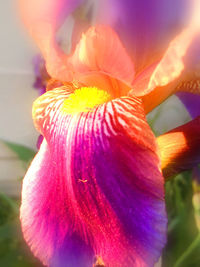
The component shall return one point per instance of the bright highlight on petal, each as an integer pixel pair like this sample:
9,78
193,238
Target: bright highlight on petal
172,64
84,99
172,70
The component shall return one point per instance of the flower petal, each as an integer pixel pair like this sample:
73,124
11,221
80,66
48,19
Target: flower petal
172,64
100,50
108,179
145,27
191,102
180,148
175,66
42,18
45,220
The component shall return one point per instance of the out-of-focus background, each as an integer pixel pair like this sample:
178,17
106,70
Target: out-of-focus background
18,137
16,128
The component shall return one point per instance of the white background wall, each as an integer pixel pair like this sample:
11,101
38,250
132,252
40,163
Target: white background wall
16,78
16,94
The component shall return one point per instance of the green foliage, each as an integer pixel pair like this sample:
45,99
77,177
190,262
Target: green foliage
8,210
183,245
24,153
13,250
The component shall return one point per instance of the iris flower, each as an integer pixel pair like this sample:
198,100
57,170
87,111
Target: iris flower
95,190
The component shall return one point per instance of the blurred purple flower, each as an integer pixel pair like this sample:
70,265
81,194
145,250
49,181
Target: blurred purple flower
191,102
41,75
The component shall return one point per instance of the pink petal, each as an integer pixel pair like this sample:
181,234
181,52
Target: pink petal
45,214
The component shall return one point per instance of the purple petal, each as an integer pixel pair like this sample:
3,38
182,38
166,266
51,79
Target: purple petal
189,99
39,141
41,75
191,102
192,57
73,253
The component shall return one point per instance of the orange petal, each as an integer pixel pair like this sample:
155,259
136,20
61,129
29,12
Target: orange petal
180,148
141,81
42,19
100,50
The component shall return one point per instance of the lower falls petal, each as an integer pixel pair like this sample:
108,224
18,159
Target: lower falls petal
97,190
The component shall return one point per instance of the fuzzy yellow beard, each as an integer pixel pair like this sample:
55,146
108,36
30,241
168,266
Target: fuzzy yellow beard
84,100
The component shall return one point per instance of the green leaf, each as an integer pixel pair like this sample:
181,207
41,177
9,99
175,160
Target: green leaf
182,229
24,153
8,209
14,252
190,255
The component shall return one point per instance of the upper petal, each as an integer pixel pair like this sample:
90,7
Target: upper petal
145,27
42,19
108,178
178,65
100,50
